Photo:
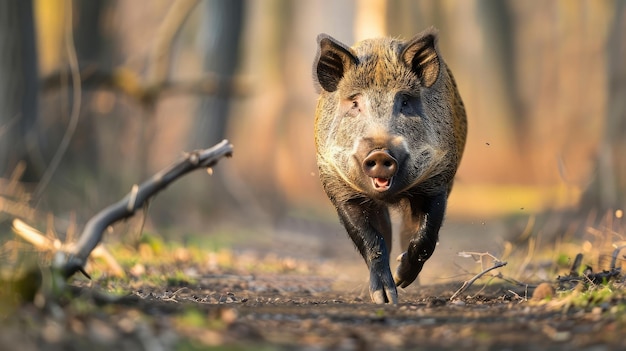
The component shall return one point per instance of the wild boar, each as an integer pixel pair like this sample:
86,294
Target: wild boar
390,129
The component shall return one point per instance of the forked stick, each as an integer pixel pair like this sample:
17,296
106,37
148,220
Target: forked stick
43,243
468,283
74,257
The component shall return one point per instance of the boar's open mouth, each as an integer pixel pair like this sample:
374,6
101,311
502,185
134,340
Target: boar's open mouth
381,184
380,166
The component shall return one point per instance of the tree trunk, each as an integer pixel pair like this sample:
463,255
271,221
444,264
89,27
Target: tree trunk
18,87
223,25
94,47
498,27
608,189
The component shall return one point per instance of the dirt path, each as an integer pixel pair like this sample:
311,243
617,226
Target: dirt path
318,302
295,312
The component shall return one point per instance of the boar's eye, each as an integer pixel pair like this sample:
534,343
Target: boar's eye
354,99
405,100
409,105
352,105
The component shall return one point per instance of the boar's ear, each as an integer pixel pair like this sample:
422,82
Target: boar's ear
333,60
421,55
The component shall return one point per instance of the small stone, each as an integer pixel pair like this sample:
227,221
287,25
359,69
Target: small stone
543,291
436,302
52,332
229,315
102,332
137,270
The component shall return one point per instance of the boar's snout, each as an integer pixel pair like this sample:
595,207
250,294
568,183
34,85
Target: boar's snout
380,166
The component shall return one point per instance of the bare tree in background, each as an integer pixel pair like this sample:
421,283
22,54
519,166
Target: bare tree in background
222,24
18,87
94,48
608,189
498,25
72,157
370,19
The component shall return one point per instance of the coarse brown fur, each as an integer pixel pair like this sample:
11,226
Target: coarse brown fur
390,130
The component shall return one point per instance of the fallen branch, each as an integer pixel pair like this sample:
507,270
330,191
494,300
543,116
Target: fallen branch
614,256
514,281
589,275
468,283
73,258
35,237
43,243
576,265
478,256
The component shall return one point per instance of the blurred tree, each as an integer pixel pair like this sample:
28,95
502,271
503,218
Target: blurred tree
607,191
221,27
18,88
94,45
407,18
370,19
498,25
73,153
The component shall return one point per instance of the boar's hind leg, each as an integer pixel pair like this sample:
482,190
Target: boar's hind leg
419,235
364,224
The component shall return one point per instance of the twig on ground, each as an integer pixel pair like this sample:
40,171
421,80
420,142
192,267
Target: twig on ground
43,243
468,283
517,296
615,254
514,281
483,287
73,258
173,296
478,256
576,265
13,196
35,237
589,275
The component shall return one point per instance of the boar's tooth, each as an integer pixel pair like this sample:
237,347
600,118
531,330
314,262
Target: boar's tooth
381,183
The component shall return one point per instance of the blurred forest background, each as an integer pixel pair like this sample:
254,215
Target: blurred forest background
97,95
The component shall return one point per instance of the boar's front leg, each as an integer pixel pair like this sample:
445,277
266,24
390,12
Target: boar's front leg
369,226
422,219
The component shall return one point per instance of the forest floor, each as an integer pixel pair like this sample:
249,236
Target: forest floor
249,297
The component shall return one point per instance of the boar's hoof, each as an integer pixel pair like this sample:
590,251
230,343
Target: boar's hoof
380,166
407,271
382,286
